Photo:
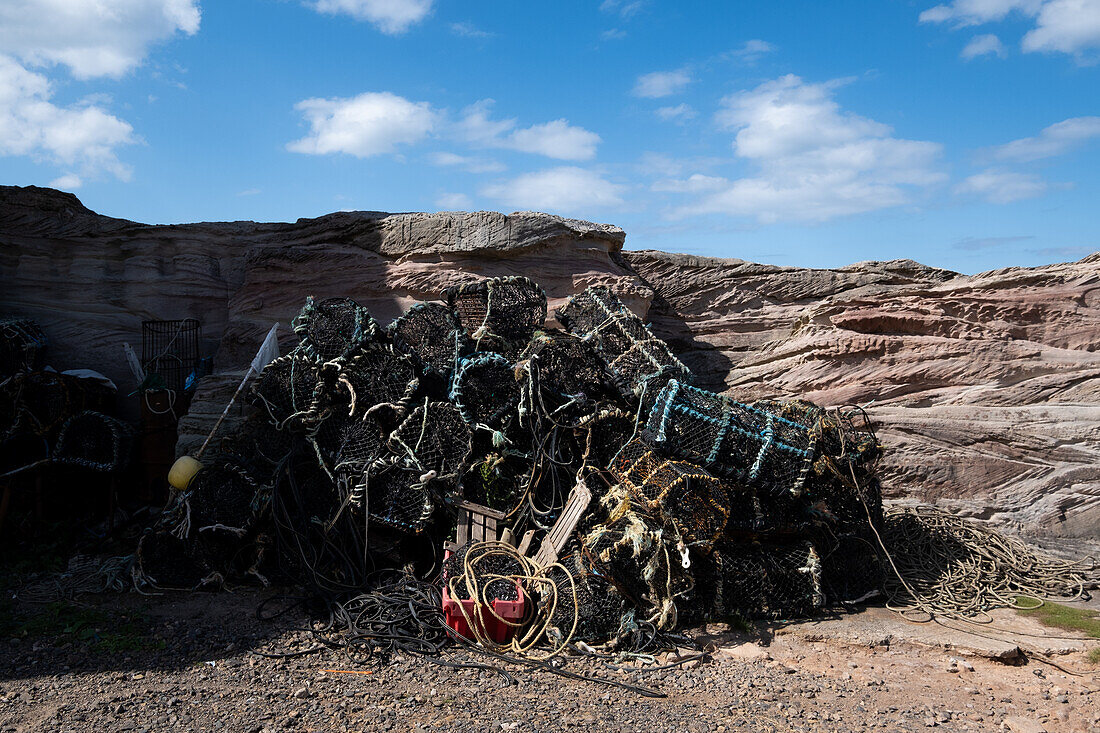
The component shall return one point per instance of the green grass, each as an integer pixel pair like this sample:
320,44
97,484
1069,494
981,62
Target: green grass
1064,617
91,628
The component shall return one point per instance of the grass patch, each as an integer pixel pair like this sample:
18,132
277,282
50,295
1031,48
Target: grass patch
1094,655
1062,617
91,628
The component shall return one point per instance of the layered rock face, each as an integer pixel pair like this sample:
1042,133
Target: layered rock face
986,388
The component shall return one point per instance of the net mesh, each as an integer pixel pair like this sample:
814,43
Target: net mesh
397,495
435,437
95,442
771,580
286,390
21,342
507,308
638,359
497,480
608,430
485,390
685,494
167,561
222,495
38,401
731,438
563,377
599,606
376,375
484,568
333,328
432,334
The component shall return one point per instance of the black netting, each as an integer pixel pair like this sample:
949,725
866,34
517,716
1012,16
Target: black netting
397,495
851,568
497,480
287,390
731,438
599,607
94,441
508,308
222,495
432,334
609,429
484,389
373,376
563,377
632,353
435,437
21,341
334,327
40,401
167,561
771,580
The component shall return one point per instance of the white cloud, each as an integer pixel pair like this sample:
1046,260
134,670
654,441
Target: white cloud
752,50
623,8
613,34
454,202
67,182
91,38
815,162
81,136
963,13
695,183
661,83
1064,26
249,192
467,163
982,46
1002,187
679,112
1068,26
555,139
372,123
469,30
566,190
1057,139
389,16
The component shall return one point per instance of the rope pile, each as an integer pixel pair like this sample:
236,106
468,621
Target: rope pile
945,565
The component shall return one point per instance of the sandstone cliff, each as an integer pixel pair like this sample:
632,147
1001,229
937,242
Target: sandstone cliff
986,387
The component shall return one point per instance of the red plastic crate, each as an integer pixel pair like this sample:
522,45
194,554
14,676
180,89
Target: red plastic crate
494,629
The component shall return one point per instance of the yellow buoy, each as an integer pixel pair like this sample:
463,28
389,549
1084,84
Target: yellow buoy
183,471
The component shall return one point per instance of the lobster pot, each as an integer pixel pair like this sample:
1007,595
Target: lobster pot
396,495
348,444
221,497
608,429
599,607
37,402
757,515
632,551
21,343
170,351
730,438
504,310
435,438
497,480
768,580
851,568
95,442
289,390
168,561
484,390
564,377
638,359
375,375
432,335
333,328
686,495
704,601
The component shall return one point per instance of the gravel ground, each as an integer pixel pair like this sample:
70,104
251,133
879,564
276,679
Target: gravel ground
187,662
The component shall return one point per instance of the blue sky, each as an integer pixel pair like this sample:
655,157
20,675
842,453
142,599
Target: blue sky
964,135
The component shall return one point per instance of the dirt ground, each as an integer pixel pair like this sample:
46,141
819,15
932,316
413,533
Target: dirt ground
192,662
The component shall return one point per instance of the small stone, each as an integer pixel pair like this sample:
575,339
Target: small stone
301,693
